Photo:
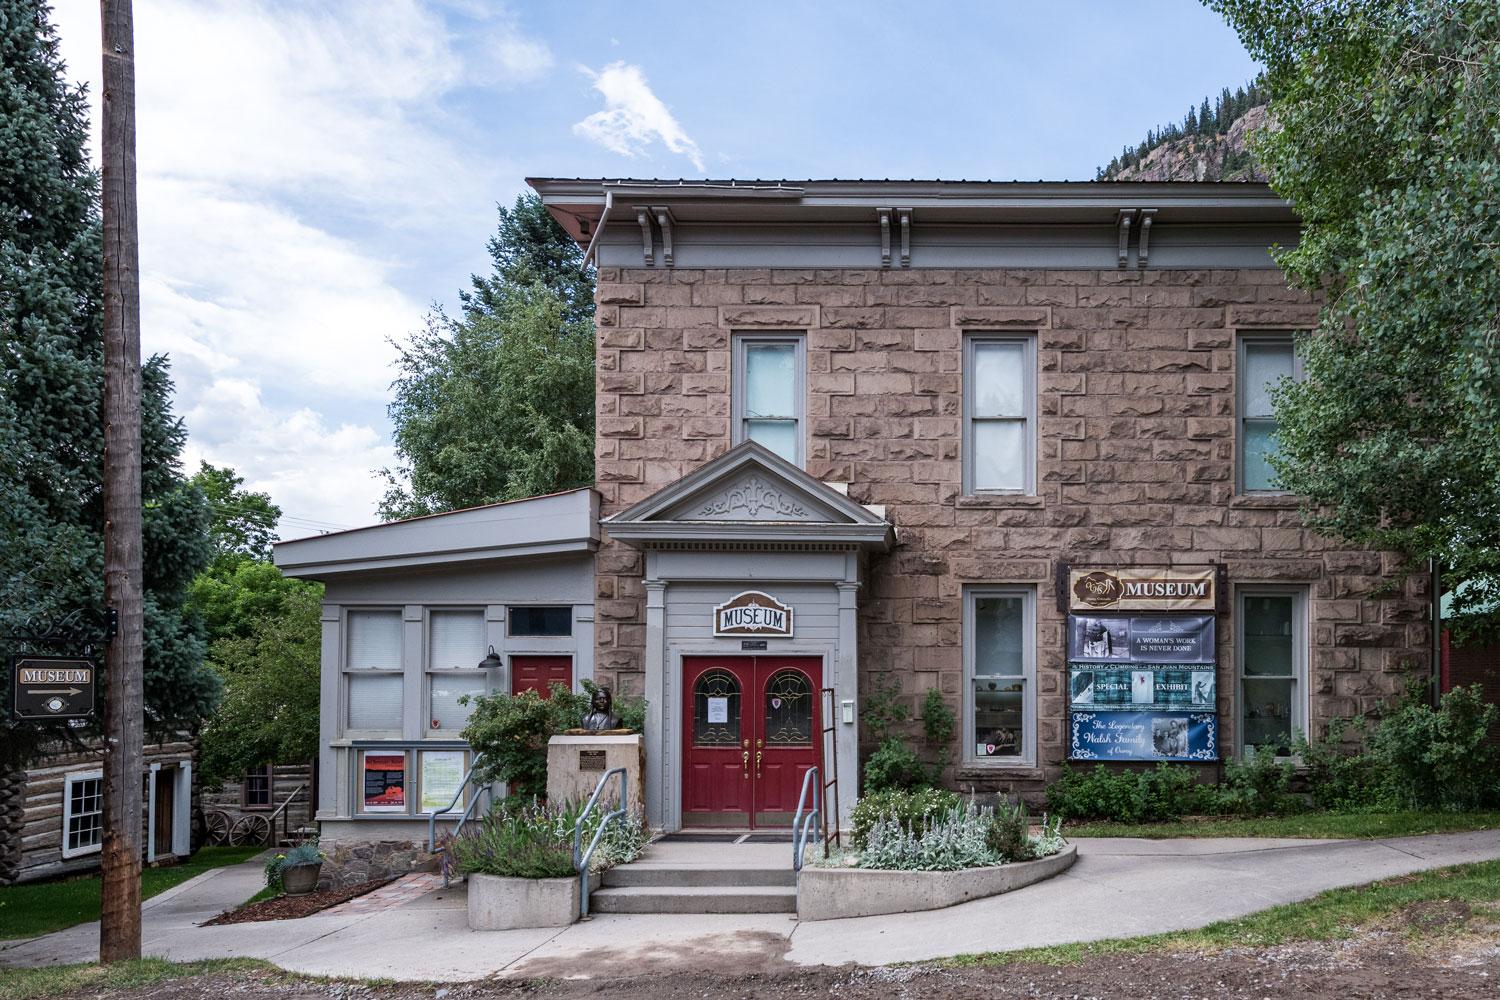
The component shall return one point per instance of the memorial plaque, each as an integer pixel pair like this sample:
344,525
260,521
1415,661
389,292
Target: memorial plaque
591,760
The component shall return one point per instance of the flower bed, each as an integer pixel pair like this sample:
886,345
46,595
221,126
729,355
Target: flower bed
929,849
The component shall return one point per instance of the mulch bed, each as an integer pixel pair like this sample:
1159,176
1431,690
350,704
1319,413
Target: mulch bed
292,907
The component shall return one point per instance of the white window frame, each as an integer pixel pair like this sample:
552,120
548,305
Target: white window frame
429,671
349,672
743,341
971,341
1241,418
1027,593
67,814
1300,654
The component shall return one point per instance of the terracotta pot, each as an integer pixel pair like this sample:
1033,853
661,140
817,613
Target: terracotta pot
299,880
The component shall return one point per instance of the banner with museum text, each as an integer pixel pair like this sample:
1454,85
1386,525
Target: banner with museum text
1142,686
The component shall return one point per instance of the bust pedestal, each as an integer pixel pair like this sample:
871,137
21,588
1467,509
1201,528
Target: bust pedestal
576,762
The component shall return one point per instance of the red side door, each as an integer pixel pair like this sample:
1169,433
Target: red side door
751,729
539,673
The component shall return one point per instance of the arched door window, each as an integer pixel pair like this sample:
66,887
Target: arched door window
716,710
789,710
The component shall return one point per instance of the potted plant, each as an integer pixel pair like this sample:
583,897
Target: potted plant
295,872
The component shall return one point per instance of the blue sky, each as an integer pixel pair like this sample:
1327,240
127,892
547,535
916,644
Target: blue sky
314,177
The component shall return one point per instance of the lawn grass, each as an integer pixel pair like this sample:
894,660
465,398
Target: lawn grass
43,907
1329,916
57,980
1329,826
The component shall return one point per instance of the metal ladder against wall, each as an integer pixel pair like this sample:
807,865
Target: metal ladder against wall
831,759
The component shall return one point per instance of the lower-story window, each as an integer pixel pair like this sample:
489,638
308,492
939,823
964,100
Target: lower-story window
1272,660
83,813
1000,664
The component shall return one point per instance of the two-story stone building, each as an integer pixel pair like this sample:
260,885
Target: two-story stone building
907,419
1002,441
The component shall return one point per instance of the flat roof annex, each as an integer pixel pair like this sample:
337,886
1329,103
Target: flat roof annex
549,525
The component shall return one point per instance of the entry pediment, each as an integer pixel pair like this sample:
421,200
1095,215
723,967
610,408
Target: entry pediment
749,493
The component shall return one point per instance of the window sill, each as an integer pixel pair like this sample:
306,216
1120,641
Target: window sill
999,768
1265,501
1000,501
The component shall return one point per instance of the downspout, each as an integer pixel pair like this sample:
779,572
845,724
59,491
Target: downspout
588,253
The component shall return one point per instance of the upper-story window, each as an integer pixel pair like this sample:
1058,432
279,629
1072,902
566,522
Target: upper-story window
999,414
1264,360
372,663
769,392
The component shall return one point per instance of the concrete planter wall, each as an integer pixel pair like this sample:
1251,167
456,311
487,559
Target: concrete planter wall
502,904
831,893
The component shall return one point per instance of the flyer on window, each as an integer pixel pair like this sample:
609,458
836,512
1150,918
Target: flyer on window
442,777
385,782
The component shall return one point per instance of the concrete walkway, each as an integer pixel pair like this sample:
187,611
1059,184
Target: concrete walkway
1118,888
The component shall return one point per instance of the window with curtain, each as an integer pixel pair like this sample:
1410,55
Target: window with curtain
455,646
1264,360
1000,660
768,393
999,407
1273,666
376,684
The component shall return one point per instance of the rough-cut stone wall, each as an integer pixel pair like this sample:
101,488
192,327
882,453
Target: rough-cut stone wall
1136,458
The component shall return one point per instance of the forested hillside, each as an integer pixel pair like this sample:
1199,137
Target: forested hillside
1211,143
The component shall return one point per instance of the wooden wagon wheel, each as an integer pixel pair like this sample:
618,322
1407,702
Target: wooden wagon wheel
216,826
250,830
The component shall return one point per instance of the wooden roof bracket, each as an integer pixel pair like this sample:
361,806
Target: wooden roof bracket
884,214
1126,217
905,214
664,223
1143,249
648,244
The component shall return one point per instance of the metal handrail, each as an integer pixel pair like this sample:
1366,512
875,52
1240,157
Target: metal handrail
432,817
281,810
803,825
581,858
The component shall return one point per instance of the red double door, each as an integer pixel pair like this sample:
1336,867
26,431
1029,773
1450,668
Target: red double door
753,727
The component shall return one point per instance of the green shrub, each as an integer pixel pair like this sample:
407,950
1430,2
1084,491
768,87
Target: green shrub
1164,793
1258,784
531,841
1340,779
1009,833
1440,758
930,831
511,732
894,764
910,808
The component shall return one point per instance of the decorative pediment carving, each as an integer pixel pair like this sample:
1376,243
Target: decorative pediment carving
750,499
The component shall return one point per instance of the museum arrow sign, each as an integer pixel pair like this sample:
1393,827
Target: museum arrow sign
52,687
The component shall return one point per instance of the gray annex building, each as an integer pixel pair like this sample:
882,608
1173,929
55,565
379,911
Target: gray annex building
1005,441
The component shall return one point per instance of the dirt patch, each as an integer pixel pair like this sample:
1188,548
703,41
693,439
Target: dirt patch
1373,966
292,907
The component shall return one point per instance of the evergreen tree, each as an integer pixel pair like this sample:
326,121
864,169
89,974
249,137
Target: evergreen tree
1206,123
51,385
1190,123
528,247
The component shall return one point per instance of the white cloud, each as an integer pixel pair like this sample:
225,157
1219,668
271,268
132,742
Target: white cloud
633,116
296,163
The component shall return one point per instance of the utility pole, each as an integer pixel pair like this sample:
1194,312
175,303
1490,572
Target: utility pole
120,912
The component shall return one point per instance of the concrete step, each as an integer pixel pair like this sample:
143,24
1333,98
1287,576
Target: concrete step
663,876
694,899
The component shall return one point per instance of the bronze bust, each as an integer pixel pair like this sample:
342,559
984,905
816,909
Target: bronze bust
602,716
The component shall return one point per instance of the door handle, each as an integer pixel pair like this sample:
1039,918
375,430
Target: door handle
758,755
745,763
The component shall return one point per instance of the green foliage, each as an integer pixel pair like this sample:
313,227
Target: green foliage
530,247
1440,758
911,808
269,711
1387,119
511,732
1257,784
243,525
231,597
1009,833
499,404
306,853
533,841
1165,792
51,440
894,762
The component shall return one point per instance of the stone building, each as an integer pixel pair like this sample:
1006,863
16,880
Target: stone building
860,434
